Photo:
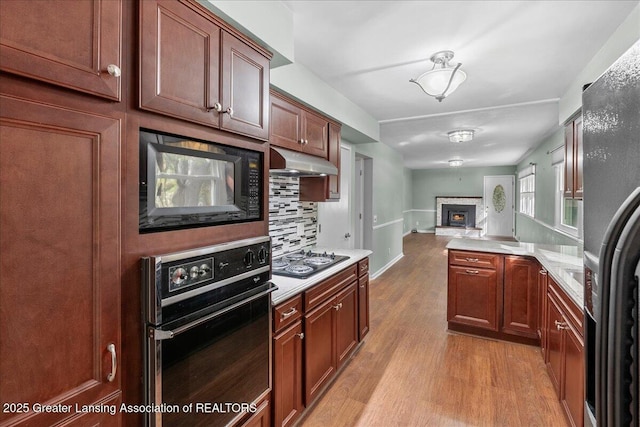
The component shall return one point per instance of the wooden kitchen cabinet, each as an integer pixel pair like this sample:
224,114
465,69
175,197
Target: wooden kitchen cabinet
75,56
324,188
363,298
564,353
573,154
520,310
493,295
346,323
473,291
287,375
542,300
320,349
193,68
297,128
60,324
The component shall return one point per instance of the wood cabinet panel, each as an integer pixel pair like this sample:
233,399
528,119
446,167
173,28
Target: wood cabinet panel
260,418
474,259
568,160
57,164
573,153
245,89
328,288
473,297
287,378
324,188
573,393
286,123
520,309
320,349
286,313
346,323
316,133
578,187
542,299
554,344
180,62
74,56
363,306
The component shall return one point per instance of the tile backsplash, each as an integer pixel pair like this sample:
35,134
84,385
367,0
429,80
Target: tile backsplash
292,223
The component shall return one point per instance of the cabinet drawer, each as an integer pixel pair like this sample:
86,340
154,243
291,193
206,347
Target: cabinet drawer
474,259
363,267
287,313
329,287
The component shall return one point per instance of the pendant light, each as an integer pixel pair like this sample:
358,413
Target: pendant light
454,163
440,82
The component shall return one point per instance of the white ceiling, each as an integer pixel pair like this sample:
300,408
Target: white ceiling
520,58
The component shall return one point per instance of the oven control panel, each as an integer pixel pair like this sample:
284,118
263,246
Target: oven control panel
189,274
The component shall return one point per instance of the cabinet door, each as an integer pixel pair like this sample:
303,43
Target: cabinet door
573,382
287,375
346,323
286,124
179,62
577,162
316,133
60,263
245,89
319,349
542,299
260,418
333,191
363,306
473,297
520,314
34,44
554,343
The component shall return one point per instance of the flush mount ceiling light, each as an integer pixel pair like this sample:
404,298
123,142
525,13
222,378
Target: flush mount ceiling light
441,82
455,163
461,135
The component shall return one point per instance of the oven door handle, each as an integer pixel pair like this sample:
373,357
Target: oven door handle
160,334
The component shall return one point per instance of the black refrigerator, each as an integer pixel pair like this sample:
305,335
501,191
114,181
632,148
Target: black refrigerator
611,136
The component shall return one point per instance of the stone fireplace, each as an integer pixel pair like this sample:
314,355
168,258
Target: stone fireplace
459,216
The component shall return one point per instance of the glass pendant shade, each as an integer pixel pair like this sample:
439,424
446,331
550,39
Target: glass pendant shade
434,82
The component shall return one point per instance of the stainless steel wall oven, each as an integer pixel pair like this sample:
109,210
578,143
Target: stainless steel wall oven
208,333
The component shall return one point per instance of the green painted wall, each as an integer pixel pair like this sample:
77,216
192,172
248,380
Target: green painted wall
429,183
407,206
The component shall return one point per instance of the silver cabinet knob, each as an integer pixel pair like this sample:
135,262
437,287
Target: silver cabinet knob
229,111
114,70
216,107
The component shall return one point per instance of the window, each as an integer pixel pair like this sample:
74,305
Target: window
568,211
527,183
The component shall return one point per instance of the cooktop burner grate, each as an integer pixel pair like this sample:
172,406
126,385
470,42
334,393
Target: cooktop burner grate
302,265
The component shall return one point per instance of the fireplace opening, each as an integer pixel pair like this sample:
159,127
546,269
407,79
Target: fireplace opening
459,215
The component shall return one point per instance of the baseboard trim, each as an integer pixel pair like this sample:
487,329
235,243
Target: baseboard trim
387,266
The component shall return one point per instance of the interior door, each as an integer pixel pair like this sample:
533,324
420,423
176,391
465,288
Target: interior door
333,217
499,205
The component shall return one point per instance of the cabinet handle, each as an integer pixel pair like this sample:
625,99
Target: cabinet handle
337,307
229,111
362,286
543,272
301,142
289,313
472,259
114,70
216,107
301,335
306,141
472,271
111,348
561,325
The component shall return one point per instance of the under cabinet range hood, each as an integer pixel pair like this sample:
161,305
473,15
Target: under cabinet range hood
292,163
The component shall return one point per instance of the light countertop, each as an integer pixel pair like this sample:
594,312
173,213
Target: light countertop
290,286
563,263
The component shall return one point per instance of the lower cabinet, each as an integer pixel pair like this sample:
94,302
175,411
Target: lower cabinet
260,418
493,295
311,344
564,352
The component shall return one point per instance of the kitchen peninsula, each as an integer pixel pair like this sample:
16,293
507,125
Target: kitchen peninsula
528,293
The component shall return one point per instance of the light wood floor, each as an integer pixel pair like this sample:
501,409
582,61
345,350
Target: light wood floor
411,372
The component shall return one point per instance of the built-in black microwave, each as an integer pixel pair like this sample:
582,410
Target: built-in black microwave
185,182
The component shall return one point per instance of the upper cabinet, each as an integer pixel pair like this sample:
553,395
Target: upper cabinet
85,56
573,159
297,128
194,69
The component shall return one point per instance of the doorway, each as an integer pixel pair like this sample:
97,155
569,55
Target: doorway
499,205
334,224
